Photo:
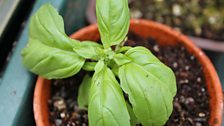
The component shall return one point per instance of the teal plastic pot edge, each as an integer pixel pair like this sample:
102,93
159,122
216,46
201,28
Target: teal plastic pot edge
219,65
17,84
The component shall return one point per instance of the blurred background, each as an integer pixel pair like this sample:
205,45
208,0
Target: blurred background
201,20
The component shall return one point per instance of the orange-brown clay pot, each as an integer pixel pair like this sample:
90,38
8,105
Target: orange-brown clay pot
164,36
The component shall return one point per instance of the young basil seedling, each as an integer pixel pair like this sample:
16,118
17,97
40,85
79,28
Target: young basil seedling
149,84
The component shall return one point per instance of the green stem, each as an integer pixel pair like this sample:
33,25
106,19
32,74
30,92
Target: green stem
121,44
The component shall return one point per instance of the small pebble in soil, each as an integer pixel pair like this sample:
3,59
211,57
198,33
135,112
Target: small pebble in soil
198,124
59,104
156,48
201,114
175,65
58,122
199,79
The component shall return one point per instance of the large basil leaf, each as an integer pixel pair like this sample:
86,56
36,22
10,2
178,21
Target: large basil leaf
149,62
50,62
113,21
83,93
47,26
151,101
49,51
107,106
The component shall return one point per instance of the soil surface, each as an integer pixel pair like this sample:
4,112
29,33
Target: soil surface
191,105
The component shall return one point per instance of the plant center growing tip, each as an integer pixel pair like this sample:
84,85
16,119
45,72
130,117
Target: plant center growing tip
108,55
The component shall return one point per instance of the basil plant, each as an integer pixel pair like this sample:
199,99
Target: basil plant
131,71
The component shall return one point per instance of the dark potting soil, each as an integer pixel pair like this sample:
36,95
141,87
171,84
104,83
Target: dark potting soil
190,105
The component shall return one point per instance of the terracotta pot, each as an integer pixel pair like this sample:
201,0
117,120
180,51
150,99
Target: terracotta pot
207,44
165,36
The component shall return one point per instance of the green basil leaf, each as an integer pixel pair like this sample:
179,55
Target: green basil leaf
151,101
99,66
121,59
124,49
47,26
91,43
146,59
89,50
107,106
49,51
113,21
50,62
83,93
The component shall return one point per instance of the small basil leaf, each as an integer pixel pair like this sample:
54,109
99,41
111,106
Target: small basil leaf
151,101
50,62
146,59
113,21
124,49
107,106
83,93
47,26
89,66
121,59
99,66
89,50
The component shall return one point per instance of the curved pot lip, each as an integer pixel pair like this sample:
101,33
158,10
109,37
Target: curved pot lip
40,95
203,59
